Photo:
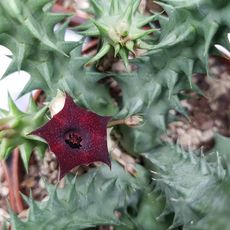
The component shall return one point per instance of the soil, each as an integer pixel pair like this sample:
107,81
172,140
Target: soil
208,113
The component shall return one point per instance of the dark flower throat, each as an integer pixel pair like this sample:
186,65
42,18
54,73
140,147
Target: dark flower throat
73,139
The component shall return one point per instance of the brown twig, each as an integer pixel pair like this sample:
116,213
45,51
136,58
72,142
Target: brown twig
11,173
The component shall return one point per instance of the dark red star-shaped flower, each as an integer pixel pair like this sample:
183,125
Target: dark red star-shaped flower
76,136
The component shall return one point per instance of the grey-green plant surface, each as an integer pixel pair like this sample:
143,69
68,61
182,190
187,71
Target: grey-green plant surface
89,200
119,25
193,188
15,127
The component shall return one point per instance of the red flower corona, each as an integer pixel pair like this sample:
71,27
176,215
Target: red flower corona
76,136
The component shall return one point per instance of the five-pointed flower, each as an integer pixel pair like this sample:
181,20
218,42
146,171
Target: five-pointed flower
76,136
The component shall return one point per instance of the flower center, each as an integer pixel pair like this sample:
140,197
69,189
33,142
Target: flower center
73,139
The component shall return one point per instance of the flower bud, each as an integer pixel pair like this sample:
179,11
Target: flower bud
133,120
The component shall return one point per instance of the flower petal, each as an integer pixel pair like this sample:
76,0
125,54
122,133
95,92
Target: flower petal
76,136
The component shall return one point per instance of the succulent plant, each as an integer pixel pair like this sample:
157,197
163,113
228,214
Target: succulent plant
193,188
86,201
177,173
52,62
119,24
15,126
161,77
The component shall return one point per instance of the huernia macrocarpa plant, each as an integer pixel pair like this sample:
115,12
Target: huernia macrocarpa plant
168,187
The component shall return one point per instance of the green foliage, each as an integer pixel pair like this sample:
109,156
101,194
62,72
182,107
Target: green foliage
187,37
218,214
27,29
142,210
188,181
148,92
195,188
119,26
86,201
16,125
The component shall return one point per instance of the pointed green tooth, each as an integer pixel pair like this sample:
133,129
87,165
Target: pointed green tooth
220,172
68,46
90,32
39,116
32,107
51,19
30,86
72,193
183,153
104,30
16,223
144,45
74,179
21,48
102,52
37,5
163,20
49,187
129,45
68,179
33,27
128,14
116,49
25,198
97,7
84,26
171,82
4,146
51,45
60,32
136,5
13,67
53,199
35,30
204,165
167,7
34,209
142,33
209,33
190,71
25,152
124,56
175,103
13,108
114,7
191,156
146,20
